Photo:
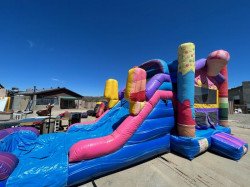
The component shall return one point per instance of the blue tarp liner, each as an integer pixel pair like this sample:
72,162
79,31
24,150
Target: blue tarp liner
44,161
191,147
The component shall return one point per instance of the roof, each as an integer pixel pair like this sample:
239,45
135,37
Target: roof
1,86
51,91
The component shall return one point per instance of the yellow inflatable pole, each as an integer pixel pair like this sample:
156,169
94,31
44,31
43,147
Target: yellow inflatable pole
135,91
111,92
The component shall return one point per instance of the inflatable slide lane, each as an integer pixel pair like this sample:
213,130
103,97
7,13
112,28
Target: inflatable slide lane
143,134
134,129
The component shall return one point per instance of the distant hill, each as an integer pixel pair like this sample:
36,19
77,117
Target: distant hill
93,98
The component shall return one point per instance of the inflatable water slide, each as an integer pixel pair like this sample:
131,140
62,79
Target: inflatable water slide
178,106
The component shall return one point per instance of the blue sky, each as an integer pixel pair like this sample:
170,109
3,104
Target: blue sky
80,44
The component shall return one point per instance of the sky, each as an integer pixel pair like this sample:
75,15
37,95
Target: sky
80,44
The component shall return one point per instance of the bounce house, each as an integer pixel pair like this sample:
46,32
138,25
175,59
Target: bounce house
179,106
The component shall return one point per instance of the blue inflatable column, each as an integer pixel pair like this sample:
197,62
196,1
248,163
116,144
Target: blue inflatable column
185,90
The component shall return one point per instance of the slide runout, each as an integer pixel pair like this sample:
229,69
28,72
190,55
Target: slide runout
9,137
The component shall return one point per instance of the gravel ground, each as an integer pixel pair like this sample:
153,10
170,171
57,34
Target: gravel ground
240,120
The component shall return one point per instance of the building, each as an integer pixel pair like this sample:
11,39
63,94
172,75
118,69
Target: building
34,99
3,91
240,96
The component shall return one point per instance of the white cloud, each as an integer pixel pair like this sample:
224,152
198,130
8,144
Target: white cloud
31,43
58,81
54,79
